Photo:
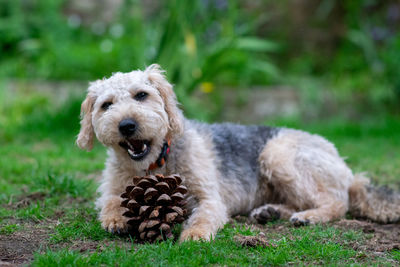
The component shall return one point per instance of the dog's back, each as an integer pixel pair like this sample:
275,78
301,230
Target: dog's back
237,149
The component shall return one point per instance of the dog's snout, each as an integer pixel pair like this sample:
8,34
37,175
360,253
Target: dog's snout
127,127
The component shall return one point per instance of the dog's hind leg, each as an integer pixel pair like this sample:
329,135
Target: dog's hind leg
323,213
307,174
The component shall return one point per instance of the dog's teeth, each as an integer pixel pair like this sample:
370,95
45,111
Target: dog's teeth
130,146
135,152
131,152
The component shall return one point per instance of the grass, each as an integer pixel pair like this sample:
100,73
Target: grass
313,245
79,224
9,229
308,245
48,188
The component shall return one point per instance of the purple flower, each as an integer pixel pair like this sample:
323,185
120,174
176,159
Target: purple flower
379,33
393,13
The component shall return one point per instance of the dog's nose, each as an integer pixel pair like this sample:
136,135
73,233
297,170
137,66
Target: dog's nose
127,127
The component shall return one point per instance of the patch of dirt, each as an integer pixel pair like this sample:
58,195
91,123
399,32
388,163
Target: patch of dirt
90,245
385,237
26,199
281,228
18,248
253,241
83,246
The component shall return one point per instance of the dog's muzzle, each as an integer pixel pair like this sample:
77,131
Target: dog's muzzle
137,149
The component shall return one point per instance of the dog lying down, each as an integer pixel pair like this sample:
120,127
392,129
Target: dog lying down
264,172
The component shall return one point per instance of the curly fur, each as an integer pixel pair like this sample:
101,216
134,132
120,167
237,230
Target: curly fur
229,169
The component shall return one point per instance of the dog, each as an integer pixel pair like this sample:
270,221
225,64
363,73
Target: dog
264,172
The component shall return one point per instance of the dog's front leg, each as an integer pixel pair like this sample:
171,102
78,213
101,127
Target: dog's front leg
111,214
209,216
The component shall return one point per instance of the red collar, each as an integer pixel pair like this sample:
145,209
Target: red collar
162,157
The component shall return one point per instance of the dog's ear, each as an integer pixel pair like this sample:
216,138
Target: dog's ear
86,134
157,79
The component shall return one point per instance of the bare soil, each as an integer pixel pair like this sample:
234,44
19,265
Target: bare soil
18,247
385,237
253,241
26,199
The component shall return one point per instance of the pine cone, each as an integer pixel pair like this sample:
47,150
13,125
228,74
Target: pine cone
155,204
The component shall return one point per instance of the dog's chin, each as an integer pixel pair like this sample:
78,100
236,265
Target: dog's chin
137,149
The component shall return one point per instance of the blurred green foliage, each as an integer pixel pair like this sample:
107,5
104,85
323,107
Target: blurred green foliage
207,43
372,46
195,41
360,58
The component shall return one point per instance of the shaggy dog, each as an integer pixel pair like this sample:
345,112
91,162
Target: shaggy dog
229,169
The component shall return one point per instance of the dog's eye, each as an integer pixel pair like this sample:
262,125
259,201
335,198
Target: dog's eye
140,96
106,105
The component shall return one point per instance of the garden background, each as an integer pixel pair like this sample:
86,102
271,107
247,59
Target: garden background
329,67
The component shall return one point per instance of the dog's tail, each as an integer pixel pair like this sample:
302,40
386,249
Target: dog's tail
379,204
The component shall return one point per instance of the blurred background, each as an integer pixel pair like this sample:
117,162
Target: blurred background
244,61
328,67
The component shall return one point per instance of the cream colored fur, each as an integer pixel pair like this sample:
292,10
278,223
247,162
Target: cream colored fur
302,176
159,118
309,173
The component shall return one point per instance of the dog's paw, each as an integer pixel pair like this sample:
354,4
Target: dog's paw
299,222
195,233
266,214
301,219
114,224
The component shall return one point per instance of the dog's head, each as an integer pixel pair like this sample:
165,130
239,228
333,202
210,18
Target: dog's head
132,113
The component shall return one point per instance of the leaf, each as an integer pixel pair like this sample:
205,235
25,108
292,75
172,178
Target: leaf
256,44
265,67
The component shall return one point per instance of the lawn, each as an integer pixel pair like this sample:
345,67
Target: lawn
48,185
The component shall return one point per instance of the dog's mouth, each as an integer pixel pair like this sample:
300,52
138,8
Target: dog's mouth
137,149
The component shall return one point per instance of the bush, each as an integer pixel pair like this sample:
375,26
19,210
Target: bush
199,43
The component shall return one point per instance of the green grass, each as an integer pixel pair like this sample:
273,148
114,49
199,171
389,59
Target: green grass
79,223
9,229
396,254
312,245
308,245
47,183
